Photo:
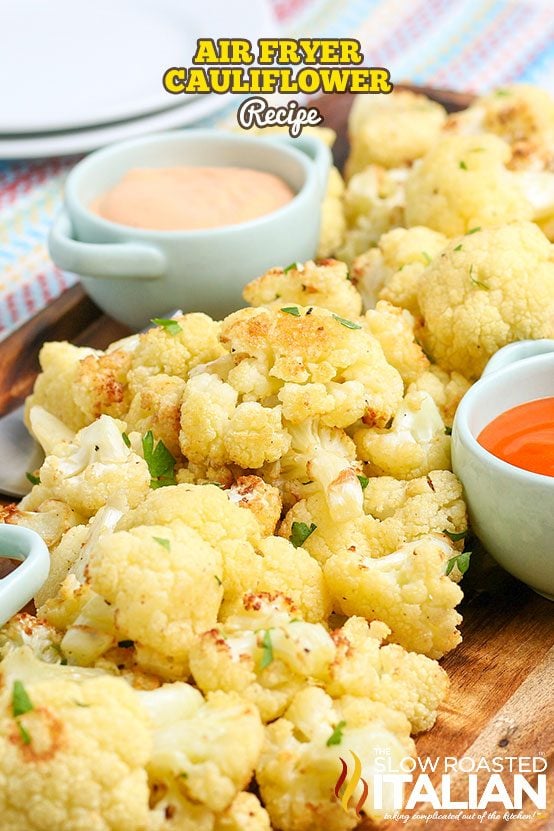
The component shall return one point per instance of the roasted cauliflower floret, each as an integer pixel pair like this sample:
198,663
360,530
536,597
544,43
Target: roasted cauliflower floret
491,287
300,762
395,512
100,385
521,114
164,586
86,471
392,269
415,443
445,388
320,458
52,519
25,630
408,590
463,183
260,498
333,222
392,130
413,684
75,758
250,563
319,351
325,283
394,329
156,406
206,748
265,652
244,814
111,382
374,203
217,430
53,390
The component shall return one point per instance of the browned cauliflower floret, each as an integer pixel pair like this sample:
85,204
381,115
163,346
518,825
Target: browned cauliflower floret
333,222
392,269
300,760
487,289
260,498
521,114
324,284
445,388
408,590
394,329
463,183
392,130
54,387
396,512
340,368
374,203
415,443
164,584
156,406
267,653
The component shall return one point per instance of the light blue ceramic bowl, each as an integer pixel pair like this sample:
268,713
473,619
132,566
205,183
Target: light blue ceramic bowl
511,510
19,587
135,274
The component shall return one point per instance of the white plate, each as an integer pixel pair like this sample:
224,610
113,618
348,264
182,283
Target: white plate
67,64
81,141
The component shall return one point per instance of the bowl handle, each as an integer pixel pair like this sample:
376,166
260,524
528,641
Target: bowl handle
119,260
19,587
518,351
315,149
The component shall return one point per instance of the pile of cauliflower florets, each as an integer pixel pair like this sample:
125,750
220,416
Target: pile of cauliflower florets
256,538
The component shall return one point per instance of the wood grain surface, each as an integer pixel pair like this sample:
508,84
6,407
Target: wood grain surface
501,699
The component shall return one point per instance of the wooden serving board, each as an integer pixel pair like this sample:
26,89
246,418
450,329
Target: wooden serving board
501,699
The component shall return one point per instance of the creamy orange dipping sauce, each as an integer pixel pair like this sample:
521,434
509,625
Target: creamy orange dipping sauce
189,198
523,436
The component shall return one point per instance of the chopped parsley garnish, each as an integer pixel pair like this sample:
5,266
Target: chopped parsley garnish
348,323
291,310
219,580
455,537
172,327
461,560
463,165
300,533
34,480
473,230
426,257
364,481
336,735
24,733
448,431
21,703
163,542
126,439
458,247
501,92
475,281
289,267
126,644
267,646
161,463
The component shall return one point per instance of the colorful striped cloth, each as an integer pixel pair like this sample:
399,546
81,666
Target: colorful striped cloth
467,45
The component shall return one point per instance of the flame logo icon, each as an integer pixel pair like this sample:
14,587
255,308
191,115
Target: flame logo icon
352,784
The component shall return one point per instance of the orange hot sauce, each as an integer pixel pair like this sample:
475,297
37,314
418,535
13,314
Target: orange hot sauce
523,436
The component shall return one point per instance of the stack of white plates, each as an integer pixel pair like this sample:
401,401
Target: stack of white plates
78,74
